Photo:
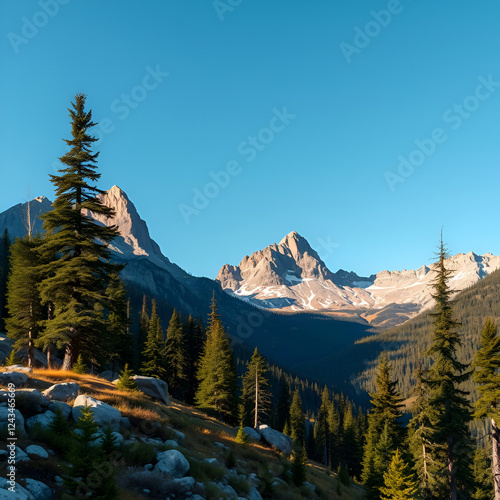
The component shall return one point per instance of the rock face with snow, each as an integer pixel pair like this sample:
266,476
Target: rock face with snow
290,276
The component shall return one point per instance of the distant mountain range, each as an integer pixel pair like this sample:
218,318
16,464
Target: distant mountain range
290,276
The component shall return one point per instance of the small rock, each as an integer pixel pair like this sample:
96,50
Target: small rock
17,378
197,497
35,451
19,368
146,491
39,490
63,392
309,485
148,466
59,480
21,456
211,460
172,462
153,441
171,443
43,419
180,486
179,434
221,446
254,494
228,490
61,405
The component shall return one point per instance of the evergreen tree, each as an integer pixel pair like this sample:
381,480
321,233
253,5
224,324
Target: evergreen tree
176,358
299,463
194,340
126,382
283,405
12,359
241,437
399,484
4,274
481,472
384,428
80,366
321,429
487,377
449,409
217,372
349,446
142,333
23,297
255,387
297,419
78,274
153,356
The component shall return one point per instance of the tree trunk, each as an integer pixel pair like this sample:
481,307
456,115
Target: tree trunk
256,398
70,353
50,357
31,350
451,470
495,439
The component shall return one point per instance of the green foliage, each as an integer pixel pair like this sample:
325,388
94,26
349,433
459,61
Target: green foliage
80,366
217,372
299,465
230,460
125,381
241,437
483,479
204,471
343,475
23,297
283,405
322,430
176,359
399,484
12,359
153,356
194,341
4,274
75,246
57,435
138,453
297,419
256,396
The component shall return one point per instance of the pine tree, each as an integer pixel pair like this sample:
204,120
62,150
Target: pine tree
4,274
487,377
78,274
283,405
241,437
176,359
297,419
194,341
126,382
217,372
80,366
255,387
142,333
399,484
153,356
299,463
321,429
481,472
449,409
12,359
23,297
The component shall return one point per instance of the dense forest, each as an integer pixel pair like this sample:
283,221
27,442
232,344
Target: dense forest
62,293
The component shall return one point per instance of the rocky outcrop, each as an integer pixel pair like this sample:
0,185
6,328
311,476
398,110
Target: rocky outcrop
276,439
63,392
153,387
17,378
104,414
251,433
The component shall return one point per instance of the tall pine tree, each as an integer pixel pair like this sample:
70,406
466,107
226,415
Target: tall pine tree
297,419
487,377
153,355
322,430
77,277
176,361
449,408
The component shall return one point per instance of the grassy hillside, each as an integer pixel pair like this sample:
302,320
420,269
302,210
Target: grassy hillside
153,420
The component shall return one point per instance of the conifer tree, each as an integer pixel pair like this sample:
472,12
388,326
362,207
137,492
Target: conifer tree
12,358
283,405
126,382
299,463
194,341
78,274
399,483
241,437
153,356
255,387
322,430
297,419
80,367
217,372
487,377
384,432
176,359
4,274
481,472
449,409
23,297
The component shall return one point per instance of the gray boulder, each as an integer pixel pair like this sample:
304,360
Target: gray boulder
65,391
19,368
43,419
19,493
171,443
180,486
5,418
35,451
61,405
21,456
252,434
254,494
104,414
39,490
276,439
153,387
17,378
109,375
172,463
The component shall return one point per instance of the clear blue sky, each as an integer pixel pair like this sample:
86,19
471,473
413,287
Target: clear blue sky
358,102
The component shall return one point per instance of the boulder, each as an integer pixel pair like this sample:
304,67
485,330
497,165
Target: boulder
39,490
20,493
109,375
171,443
21,456
251,434
276,439
35,451
179,434
104,414
221,446
180,486
61,405
172,463
65,391
31,398
43,419
254,494
5,415
125,423
17,378
153,387
19,368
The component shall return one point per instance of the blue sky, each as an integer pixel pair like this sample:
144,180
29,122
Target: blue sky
310,107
